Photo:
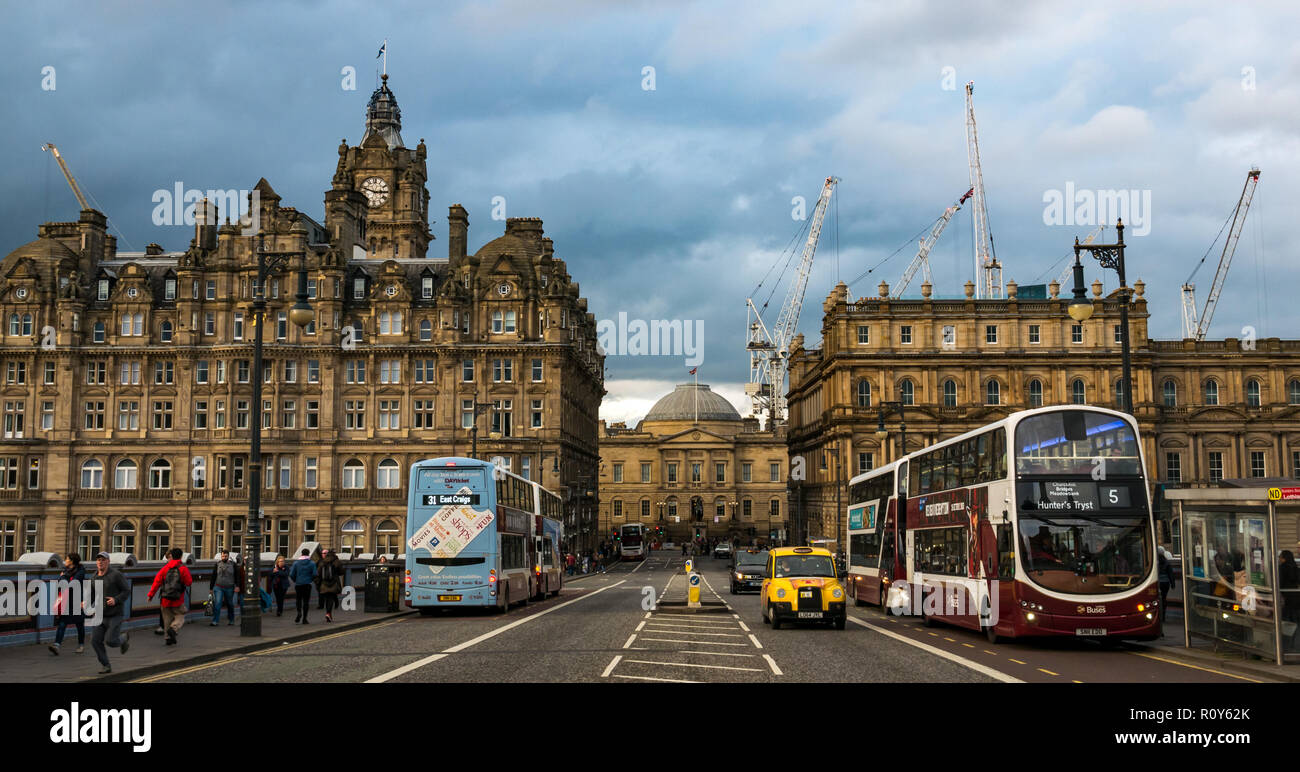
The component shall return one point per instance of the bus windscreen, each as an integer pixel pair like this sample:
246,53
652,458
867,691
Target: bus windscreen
1076,442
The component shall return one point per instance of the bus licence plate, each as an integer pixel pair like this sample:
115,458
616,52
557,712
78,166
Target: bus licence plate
449,597
810,615
1090,631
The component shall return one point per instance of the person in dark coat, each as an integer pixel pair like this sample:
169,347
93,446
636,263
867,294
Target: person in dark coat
277,583
73,572
1165,572
303,575
329,581
110,605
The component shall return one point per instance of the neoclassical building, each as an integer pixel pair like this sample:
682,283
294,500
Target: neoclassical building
1208,410
128,375
695,468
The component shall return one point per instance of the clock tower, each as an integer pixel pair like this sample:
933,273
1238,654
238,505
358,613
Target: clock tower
378,204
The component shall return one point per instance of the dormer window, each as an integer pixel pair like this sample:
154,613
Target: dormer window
466,281
426,287
102,293
169,289
359,288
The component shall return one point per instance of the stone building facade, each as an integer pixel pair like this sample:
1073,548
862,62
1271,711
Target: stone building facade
695,469
1207,410
128,382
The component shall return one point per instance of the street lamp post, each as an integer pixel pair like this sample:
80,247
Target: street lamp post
479,409
1081,309
301,314
882,432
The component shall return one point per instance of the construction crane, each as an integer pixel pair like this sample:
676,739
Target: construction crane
987,268
922,259
1067,274
1192,327
72,181
769,349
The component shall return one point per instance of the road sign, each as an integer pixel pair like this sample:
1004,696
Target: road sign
1284,494
695,580
1274,494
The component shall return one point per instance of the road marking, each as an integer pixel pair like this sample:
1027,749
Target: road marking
717,653
638,627
743,627
1045,670
936,635
688,664
950,640
1194,667
1078,682
1018,662
757,645
994,653
967,645
647,614
697,643
648,678
330,637
379,679
612,664
663,620
775,670
630,638
677,631
938,652
187,671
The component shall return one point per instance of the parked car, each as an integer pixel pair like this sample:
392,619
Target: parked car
722,550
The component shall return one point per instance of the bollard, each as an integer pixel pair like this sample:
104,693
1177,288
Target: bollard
693,590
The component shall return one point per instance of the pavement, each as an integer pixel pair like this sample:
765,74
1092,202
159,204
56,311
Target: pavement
198,643
607,628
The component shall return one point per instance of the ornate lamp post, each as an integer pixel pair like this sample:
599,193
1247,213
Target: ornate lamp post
479,409
1081,309
301,314
882,432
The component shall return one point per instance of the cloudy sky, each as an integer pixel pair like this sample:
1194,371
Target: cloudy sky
673,202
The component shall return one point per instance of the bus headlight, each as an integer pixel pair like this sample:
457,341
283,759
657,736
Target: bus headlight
1029,617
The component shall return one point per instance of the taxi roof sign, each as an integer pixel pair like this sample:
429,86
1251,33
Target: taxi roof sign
803,550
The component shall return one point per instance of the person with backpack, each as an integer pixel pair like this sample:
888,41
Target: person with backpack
329,581
227,580
73,573
302,574
278,583
170,584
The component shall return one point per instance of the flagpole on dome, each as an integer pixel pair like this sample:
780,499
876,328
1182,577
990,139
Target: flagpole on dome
695,371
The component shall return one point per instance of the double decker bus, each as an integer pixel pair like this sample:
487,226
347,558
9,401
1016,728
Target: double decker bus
478,535
631,541
1044,517
874,560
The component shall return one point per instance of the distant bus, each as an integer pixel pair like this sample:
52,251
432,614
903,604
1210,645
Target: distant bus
1048,509
632,541
478,535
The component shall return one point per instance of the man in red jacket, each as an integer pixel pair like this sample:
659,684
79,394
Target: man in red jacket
171,582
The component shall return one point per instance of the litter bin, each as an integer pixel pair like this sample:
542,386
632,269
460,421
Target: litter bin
383,587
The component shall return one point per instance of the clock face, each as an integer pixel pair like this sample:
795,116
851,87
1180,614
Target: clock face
21,293
376,191
503,289
391,291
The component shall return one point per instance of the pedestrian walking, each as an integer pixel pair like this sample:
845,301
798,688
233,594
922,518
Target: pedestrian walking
329,581
227,578
73,571
1165,573
109,592
170,584
278,583
569,562
302,574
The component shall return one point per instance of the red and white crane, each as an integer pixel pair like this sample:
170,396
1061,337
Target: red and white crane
922,259
988,271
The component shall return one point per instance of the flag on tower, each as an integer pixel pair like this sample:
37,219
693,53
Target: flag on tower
693,369
382,49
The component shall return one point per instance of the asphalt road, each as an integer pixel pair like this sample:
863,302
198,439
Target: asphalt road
605,628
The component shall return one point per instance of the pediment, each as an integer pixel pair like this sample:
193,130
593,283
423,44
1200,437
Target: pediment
1218,442
1217,414
693,435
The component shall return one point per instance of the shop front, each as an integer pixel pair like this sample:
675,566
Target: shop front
1241,584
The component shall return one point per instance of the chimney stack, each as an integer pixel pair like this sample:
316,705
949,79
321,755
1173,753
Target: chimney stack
458,228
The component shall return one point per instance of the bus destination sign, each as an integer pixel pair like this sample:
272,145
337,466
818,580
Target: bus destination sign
444,499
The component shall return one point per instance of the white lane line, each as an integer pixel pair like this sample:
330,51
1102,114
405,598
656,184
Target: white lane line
638,627
757,645
977,667
775,670
696,643
390,675
687,664
613,663
647,614
673,631
689,626
717,653
648,678
638,567
743,627
686,620
630,638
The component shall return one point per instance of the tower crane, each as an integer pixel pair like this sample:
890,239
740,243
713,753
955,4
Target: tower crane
1192,328
987,268
1069,267
922,259
769,349
72,181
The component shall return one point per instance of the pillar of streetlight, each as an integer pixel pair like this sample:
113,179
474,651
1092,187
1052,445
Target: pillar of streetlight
1080,309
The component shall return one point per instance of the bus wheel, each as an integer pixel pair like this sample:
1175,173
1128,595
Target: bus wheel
857,599
505,599
427,612
884,598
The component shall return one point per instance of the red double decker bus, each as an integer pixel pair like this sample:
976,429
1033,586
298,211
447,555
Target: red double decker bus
1039,524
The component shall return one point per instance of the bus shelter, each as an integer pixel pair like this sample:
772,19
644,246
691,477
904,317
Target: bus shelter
1241,587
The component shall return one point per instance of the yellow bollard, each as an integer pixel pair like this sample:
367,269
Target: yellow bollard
693,590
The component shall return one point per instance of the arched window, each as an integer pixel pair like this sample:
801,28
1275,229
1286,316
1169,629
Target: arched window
992,393
123,536
426,329
387,538
1035,393
165,332
1078,392
907,392
388,475
92,475
27,324
1293,392
354,537
160,475
1211,392
498,322
126,475
1170,389
864,393
88,539
950,393
14,324
1252,393
354,474
157,541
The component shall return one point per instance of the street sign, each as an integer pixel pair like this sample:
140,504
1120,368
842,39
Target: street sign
695,580
1284,494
